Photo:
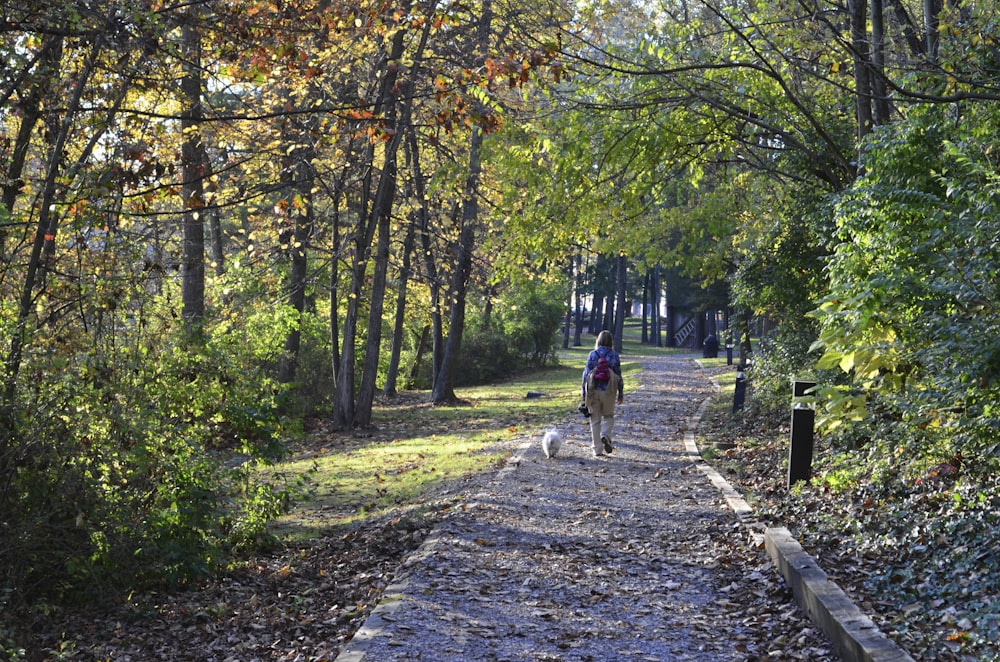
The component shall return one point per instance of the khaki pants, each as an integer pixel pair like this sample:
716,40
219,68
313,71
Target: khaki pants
602,416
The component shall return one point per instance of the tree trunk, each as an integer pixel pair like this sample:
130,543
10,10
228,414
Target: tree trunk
383,208
192,184
418,359
879,92
300,182
932,28
399,327
347,412
645,305
578,309
569,306
334,298
621,281
44,234
596,313
444,385
657,319
343,411
862,62
669,326
382,211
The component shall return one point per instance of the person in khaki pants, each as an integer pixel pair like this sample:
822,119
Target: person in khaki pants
602,381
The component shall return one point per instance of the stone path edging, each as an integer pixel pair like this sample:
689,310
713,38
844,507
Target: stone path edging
851,631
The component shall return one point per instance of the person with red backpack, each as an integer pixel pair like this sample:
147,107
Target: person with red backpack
602,381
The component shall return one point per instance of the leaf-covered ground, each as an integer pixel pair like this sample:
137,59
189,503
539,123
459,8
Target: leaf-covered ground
301,603
304,601
933,592
923,560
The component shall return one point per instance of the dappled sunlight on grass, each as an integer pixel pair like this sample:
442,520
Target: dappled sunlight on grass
417,453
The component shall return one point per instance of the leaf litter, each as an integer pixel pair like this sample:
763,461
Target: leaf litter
633,556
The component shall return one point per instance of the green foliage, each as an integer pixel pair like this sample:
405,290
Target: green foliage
529,313
780,272
520,335
782,355
122,470
487,355
313,385
912,314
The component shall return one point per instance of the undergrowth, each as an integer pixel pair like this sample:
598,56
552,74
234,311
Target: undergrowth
918,550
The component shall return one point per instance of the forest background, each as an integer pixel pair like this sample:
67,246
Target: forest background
220,219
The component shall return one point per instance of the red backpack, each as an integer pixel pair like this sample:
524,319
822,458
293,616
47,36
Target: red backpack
602,371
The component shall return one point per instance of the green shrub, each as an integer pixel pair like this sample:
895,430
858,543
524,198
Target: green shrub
781,356
127,468
486,356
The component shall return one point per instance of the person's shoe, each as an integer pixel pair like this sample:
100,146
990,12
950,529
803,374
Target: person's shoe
608,448
583,410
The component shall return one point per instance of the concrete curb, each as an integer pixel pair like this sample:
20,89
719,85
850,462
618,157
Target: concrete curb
853,634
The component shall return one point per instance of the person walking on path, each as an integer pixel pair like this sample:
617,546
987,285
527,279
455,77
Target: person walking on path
602,380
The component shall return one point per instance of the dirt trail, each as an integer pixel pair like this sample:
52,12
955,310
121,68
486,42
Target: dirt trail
633,556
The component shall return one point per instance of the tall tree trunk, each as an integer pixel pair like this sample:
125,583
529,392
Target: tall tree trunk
862,63
880,93
347,413
608,318
578,308
621,280
657,319
596,313
399,326
218,241
444,385
932,28
334,298
44,235
430,266
383,208
300,206
569,306
343,412
192,183
383,211
645,307
669,326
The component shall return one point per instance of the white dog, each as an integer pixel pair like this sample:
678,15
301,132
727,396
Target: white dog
551,442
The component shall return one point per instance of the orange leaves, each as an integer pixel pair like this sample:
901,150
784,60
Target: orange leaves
517,67
359,114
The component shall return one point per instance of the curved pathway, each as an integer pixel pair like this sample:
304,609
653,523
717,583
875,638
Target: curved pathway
634,556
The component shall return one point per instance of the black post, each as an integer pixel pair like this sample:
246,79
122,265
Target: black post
801,447
729,353
740,394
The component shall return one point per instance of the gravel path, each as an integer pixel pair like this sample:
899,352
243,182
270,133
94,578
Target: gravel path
635,556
